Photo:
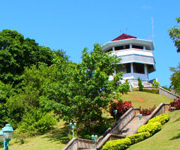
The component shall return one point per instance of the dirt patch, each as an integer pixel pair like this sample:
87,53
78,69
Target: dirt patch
139,99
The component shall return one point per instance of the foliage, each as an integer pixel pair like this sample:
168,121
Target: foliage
154,91
167,88
146,111
36,122
155,83
135,138
125,87
120,144
121,108
174,33
151,127
89,89
161,118
140,84
176,103
175,78
16,53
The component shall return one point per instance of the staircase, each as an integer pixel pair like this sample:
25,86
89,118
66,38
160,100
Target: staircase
125,126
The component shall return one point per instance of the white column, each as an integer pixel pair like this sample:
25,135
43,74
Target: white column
130,46
132,70
146,71
144,47
113,49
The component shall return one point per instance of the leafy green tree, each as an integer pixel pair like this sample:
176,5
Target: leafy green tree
140,84
175,34
175,78
90,87
16,53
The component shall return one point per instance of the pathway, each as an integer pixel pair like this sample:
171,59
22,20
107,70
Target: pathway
132,126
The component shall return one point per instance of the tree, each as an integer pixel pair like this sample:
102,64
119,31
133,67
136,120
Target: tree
175,78
175,34
140,84
16,53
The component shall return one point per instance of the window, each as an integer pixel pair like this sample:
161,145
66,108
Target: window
121,47
137,46
138,68
126,68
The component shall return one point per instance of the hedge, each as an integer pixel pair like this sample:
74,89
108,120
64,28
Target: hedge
135,138
152,128
120,144
161,118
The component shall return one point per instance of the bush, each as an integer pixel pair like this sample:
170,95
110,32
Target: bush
120,144
121,108
146,111
135,138
161,118
176,104
140,84
151,127
153,91
36,122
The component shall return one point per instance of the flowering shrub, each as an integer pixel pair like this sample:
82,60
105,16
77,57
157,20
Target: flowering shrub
121,108
176,103
146,112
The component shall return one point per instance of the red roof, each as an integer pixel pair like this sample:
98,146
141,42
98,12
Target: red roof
123,37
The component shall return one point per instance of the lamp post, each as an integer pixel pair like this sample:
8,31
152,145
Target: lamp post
72,125
6,134
94,137
140,116
115,113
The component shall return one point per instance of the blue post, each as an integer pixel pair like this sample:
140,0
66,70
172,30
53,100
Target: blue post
94,137
6,144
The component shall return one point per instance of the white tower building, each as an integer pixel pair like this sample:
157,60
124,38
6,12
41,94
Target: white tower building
137,59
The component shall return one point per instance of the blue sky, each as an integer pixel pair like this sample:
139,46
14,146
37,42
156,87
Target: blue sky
72,25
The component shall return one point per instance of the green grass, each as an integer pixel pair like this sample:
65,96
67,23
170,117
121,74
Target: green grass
56,139
145,100
167,139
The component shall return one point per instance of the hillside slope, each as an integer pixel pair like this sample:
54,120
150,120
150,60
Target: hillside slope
144,99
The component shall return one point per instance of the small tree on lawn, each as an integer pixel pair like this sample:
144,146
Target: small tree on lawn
140,84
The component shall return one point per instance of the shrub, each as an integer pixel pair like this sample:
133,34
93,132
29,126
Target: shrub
120,144
154,91
146,111
161,118
151,127
156,83
135,138
121,107
176,104
140,84
36,122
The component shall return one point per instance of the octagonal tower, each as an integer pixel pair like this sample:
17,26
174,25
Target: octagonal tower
137,59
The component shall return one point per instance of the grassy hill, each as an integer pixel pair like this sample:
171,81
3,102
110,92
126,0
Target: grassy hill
57,138
145,100
167,139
